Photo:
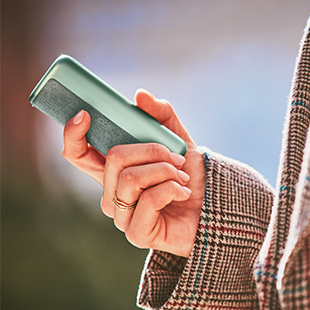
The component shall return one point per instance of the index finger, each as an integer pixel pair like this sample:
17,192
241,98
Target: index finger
163,111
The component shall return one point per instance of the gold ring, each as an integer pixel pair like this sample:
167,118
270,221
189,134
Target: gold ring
123,206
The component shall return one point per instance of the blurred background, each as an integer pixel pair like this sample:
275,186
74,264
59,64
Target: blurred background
226,66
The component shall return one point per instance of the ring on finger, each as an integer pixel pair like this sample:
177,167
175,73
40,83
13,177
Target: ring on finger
123,206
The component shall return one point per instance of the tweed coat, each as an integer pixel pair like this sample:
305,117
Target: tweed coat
252,248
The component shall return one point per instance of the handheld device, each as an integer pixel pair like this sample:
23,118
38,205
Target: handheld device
68,87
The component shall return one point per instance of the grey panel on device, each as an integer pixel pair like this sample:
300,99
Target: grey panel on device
59,103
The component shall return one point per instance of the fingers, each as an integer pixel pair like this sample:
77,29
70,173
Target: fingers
76,149
134,180
162,111
147,224
124,156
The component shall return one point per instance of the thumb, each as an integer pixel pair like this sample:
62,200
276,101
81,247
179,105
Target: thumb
163,112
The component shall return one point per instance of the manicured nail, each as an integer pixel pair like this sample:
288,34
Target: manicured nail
183,176
177,159
78,118
187,190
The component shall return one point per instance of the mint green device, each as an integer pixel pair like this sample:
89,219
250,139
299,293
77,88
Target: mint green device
68,87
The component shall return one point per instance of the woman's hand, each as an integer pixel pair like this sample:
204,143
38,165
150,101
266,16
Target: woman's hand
168,188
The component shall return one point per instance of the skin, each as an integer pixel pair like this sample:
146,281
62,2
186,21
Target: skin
169,188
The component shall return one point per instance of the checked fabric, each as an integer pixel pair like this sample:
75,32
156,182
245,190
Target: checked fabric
252,248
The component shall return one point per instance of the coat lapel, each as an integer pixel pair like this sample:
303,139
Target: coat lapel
293,281
294,139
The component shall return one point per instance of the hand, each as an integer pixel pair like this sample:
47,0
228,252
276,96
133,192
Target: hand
167,212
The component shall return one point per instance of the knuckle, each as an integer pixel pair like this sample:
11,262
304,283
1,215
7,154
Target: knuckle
168,169
127,178
149,198
157,151
115,154
167,102
171,187
168,105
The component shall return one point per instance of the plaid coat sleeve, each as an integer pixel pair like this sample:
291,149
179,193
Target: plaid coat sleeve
232,225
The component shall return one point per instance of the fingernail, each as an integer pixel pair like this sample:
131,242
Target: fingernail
183,176
187,190
78,118
177,159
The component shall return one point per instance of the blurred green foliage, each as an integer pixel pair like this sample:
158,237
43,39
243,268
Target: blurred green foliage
57,255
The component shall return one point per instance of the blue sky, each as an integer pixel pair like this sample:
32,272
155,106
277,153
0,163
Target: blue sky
226,67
